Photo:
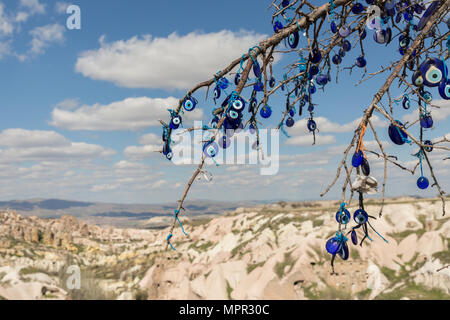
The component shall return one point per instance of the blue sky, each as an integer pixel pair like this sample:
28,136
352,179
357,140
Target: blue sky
80,107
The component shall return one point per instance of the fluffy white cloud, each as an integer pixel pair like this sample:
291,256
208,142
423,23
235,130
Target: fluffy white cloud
141,152
308,139
175,62
61,7
6,26
44,36
34,145
129,114
149,138
33,6
438,114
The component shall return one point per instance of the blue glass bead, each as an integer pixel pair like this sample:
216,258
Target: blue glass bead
396,134
390,12
336,59
418,8
292,112
432,70
316,56
406,103
361,62
223,83
293,39
285,3
313,70
357,8
322,79
444,89
428,97
277,26
333,27
354,237
189,104
407,15
363,34
343,217
290,122
310,107
344,31
360,216
252,129
237,78
417,79
357,158
343,253
272,82
265,112
401,51
346,45
256,69
312,88
380,36
175,122
365,167
423,183
252,105
225,142
333,246
404,41
258,86
217,93
426,121
210,149
429,146
238,104
389,4
169,156
427,15
398,17
166,149
311,125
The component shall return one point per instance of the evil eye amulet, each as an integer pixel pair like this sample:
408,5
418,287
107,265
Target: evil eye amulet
423,183
311,125
258,86
293,40
406,103
313,70
285,3
312,89
404,41
237,78
333,27
336,59
233,114
265,112
175,122
322,79
426,121
427,15
290,122
256,69
346,45
427,96
360,216
277,26
344,31
357,158
217,92
397,135
292,112
429,146
225,142
432,70
333,246
343,217
365,167
223,83
166,149
444,89
357,8
238,105
210,149
252,105
417,79
344,253
361,62
354,237
362,34
315,56
272,82
189,104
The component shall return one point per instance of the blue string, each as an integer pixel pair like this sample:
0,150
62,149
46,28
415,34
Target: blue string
176,217
168,240
445,68
377,232
284,131
401,135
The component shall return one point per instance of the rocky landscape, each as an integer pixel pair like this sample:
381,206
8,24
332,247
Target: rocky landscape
274,251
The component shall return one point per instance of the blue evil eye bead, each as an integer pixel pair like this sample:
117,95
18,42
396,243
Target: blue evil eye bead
357,8
380,36
357,158
290,122
404,41
407,15
256,69
417,79
313,70
175,122
258,86
285,3
365,167
362,34
354,237
343,217
361,62
346,45
265,112
252,128
410,64
401,51
398,17
217,92
210,149
333,246
214,122
427,15
397,135
426,121
311,125
418,8
312,88
189,104
166,149
169,156
224,142
272,82
237,78
277,26
432,70
406,103
390,4
293,40
344,31
315,56
310,107
238,104
423,183
223,83
429,146
428,97
252,105
333,27
322,79
444,89
233,114
343,253
292,112
360,216
336,59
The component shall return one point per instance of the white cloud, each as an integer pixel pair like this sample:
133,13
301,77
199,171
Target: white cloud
23,138
308,139
129,114
44,36
104,187
68,104
438,114
6,27
141,152
61,7
33,6
149,138
175,62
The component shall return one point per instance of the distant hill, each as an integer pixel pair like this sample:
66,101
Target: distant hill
124,215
